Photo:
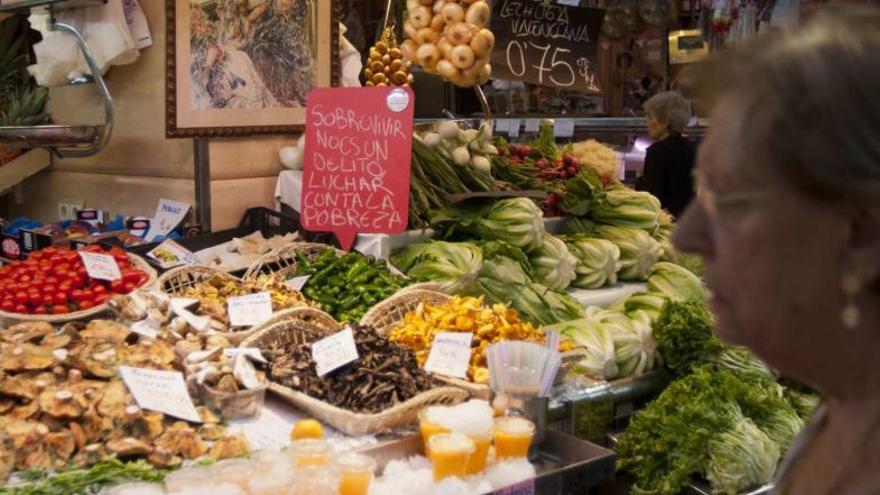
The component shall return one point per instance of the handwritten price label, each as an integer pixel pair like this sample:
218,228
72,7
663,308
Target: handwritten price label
100,266
450,354
334,351
249,310
547,44
162,391
563,128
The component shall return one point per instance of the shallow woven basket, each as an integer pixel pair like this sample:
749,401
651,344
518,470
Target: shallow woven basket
136,260
307,314
388,314
284,262
348,422
177,280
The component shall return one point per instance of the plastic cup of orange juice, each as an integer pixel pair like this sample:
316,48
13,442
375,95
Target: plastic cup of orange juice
310,452
429,426
477,460
450,453
356,474
513,437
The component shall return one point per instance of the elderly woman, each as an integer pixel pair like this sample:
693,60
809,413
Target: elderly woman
788,221
669,162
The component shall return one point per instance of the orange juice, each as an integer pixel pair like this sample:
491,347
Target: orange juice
450,453
513,437
356,474
428,427
477,460
310,452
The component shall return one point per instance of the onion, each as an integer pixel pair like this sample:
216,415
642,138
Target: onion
459,34
485,74
448,129
478,14
438,6
490,149
420,17
447,70
437,23
461,156
428,55
409,29
412,5
446,48
432,139
409,48
453,13
469,135
301,142
463,57
473,72
483,42
426,35
482,164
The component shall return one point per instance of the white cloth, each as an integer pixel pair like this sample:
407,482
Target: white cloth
350,61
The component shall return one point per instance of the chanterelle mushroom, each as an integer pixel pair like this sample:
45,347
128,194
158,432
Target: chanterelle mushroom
97,358
114,400
127,447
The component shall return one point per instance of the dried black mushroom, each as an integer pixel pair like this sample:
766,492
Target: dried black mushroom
385,374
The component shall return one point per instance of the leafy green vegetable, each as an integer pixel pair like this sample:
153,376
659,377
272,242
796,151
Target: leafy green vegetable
683,332
598,261
782,425
501,249
78,481
580,192
545,142
652,304
516,221
741,362
625,207
741,457
454,265
534,302
552,263
638,250
675,282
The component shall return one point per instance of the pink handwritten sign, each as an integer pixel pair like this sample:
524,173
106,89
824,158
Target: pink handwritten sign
357,161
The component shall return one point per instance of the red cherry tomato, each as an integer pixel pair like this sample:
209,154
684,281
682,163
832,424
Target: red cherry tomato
40,310
60,298
35,298
21,297
20,308
49,289
60,309
25,278
76,295
7,305
47,300
86,305
99,289
117,286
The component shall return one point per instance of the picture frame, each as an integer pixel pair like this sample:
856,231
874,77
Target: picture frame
243,67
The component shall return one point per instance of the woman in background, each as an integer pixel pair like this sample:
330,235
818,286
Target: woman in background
669,162
787,220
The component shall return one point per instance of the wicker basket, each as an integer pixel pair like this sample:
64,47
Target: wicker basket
348,422
386,315
176,280
234,405
283,261
138,263
307,314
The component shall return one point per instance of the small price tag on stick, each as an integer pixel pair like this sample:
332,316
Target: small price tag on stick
162,391
450,354
249,310
100,266
334,351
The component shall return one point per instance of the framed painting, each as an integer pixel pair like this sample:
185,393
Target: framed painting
244,67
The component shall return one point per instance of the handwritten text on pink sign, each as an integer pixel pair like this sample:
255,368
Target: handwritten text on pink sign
357,161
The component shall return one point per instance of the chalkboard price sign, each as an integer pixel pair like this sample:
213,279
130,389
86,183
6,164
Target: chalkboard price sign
357,161
544,43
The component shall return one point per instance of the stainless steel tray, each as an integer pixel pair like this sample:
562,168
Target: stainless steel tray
565,464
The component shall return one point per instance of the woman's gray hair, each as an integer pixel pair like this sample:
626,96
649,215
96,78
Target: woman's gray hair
811,97
670,107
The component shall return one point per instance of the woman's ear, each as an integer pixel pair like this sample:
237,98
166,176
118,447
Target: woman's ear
863,249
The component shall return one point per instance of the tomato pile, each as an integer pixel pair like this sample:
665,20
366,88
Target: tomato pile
54,281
